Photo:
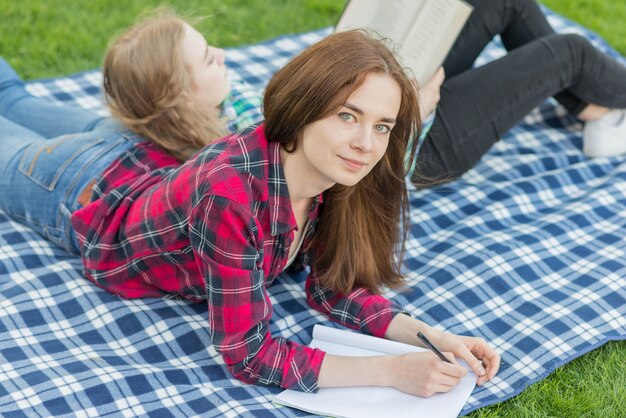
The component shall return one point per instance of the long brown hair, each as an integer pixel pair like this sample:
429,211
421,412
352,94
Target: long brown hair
147,86
358,242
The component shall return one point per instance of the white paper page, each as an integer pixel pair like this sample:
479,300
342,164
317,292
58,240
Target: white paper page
391,19
372,401
423,30
430,38
356,339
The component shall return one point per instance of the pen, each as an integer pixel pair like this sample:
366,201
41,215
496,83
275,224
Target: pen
432,347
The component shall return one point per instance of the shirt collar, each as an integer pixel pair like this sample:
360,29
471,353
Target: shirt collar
282,217
281,212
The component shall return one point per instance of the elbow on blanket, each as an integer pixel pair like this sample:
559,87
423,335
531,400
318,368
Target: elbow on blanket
281,363
253,358
256,369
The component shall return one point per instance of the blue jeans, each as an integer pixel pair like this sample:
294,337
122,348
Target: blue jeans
48,155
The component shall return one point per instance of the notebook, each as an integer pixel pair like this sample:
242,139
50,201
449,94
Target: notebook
375,402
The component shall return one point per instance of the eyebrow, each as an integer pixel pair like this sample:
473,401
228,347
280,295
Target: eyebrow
206,53
356,109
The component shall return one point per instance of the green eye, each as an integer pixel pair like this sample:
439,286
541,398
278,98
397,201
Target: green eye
346,116
383,129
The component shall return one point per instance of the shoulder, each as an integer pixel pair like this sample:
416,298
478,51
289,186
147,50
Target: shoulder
226,232
235,167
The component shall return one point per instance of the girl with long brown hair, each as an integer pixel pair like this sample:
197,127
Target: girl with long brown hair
320,183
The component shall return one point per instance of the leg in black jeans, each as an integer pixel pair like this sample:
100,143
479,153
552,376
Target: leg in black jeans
517,22
478,106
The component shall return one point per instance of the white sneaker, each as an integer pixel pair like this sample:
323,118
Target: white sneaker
606,137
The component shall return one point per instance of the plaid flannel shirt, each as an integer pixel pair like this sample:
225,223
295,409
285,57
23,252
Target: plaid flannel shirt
219,228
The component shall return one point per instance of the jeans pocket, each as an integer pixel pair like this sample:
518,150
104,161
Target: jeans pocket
45,163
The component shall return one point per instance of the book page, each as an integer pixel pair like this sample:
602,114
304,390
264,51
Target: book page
423,30
431,36
391,19
373,402
362,341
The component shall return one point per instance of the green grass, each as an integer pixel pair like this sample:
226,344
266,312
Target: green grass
48,38
593,385
605,17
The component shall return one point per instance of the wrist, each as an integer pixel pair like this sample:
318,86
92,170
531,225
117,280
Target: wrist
342,371
404,328
386,370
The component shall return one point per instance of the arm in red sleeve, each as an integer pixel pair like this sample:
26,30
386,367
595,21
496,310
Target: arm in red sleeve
228,243
360,309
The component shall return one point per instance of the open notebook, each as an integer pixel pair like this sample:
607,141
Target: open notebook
375,402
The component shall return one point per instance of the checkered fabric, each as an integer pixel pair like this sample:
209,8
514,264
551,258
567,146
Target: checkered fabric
526,250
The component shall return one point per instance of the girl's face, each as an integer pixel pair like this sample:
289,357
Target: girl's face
345,146
210,85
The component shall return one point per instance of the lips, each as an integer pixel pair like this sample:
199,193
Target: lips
353,164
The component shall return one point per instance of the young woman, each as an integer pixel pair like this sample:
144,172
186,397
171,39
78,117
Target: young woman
162,83
476,106
321,183
147,90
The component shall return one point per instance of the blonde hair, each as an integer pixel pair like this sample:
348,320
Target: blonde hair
148,84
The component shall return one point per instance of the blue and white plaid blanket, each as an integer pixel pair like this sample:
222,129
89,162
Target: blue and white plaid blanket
526,250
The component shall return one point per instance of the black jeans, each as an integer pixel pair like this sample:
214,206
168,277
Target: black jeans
479,105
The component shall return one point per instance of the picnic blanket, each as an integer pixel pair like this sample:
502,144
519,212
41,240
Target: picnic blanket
526,250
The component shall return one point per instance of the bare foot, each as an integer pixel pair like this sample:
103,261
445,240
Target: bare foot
592,112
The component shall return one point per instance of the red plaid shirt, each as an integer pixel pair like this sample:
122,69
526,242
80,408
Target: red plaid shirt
219,228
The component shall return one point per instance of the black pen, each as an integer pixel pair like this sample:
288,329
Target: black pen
432,347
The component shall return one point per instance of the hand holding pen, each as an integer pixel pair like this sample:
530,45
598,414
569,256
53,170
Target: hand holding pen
422,373
432,347
474,351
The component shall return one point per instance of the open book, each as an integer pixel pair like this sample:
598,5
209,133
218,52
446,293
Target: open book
375,402
423,30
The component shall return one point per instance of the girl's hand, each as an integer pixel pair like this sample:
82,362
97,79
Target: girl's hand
424,374
481,358
430,93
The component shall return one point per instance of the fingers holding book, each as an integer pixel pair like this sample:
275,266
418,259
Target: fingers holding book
430,93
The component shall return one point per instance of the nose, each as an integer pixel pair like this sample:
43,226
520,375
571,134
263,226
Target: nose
363,139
